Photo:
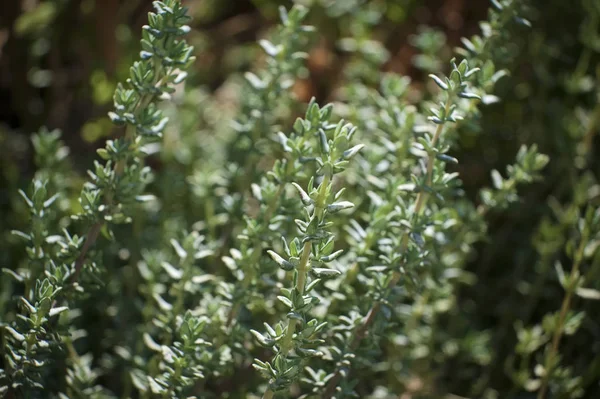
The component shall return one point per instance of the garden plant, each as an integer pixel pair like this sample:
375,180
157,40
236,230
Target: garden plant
233,238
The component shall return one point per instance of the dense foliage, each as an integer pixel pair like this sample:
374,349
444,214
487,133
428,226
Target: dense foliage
432,234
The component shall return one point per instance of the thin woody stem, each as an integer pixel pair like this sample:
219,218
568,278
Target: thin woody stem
119,169
256,254
558,332
302,272
361,332
89,241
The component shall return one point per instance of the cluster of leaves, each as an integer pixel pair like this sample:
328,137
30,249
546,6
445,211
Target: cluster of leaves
329,261
308,254
568,235
57,261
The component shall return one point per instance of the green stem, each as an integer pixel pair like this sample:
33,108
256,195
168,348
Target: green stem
422,196
286,344
287,341
302,272
420,202
322,197
92,235
268,394
588,139
180,287
256,254
558,332
582,63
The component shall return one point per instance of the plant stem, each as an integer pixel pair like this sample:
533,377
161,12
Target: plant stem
180,287
119,168
420,202
256,254
588,139
286,344
322,197
422,197
302,270
558,332
90,239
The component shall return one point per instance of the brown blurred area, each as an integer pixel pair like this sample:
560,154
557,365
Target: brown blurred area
63,42
52,52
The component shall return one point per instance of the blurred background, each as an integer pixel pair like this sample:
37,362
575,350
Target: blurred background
61,59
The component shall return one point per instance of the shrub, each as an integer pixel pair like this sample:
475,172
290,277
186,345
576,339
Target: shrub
281,249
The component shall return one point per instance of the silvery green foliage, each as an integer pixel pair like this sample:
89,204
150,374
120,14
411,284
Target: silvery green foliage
265,95
406,256
566,243
319,257
54,276
175,350
402,250
265,89
526,170
362,19
549,375
269,90
431,44
307,255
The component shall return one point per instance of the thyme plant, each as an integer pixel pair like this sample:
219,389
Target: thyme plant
63,266
241,243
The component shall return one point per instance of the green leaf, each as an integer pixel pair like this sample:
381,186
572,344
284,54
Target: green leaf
323,142
30,308
471,72
150,343
145,198
439,82
497,179
21,234
333,256
588,293
270,48
26,198
351,152
285,301
14,275
469,95
15,334
446,158
306,200
264,341
50,201
339,206
309,352
139,380
312,285
178,249
155,387
172,271
162,304
325,273
56,311
255,81
284,264
116,119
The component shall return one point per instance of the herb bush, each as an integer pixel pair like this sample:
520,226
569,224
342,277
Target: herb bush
270,247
